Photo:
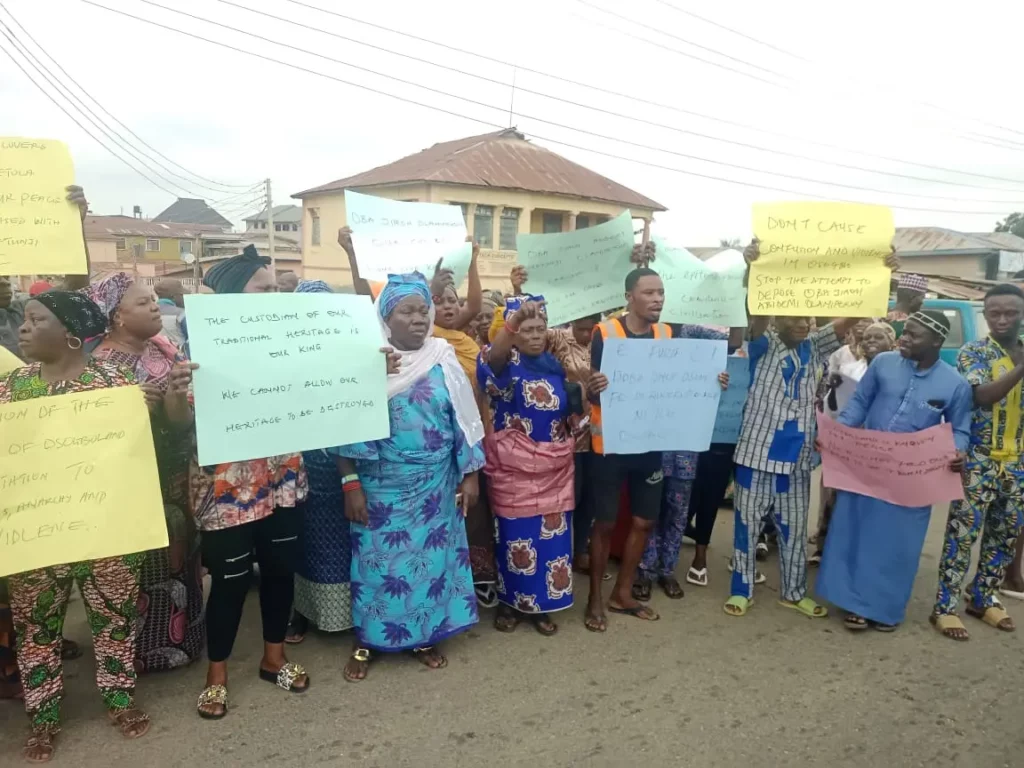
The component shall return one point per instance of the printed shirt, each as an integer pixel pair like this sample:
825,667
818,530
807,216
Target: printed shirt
682,465
26,384
778,421
575,359
975,363
533,402
240,492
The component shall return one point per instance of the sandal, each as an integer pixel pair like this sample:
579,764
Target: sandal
737,605
360,656
543,624
641,612
486,595
213,694
41,740
995,616
128,720
697,576
642,589
595,623
950,626
671,587
430,657
759,577
807,607
297,629
815,559
507,619
880,627
761,551
286,676
855,623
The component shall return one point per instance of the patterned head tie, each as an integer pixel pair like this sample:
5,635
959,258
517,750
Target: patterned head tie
400,287
76,312
313,286
915,283
514,303
936,322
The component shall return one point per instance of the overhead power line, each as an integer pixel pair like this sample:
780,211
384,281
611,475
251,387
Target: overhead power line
633,118
650,102
90,134
500,126
585,131
806,60
219,187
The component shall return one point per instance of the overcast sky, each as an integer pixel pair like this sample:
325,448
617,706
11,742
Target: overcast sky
926,84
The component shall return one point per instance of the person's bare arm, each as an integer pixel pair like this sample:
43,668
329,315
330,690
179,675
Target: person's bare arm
758,326
474,293
736,336
76,282
345,241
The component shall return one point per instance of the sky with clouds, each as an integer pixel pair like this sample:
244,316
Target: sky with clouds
911,104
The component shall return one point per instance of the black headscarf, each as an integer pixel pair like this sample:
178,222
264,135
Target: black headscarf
231,276
78,313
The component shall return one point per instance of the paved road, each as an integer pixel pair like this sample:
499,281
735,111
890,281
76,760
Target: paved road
697,688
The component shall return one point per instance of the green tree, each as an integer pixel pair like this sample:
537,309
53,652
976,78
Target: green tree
1014,223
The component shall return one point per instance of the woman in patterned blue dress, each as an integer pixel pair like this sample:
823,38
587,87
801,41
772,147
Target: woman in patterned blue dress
530,469
412,585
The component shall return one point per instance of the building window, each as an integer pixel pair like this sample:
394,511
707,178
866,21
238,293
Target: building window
152,244
483,226
582,222
465,211
552,223
509,229
121,244
184,246
315,233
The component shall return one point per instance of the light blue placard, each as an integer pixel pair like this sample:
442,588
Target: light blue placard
285,372
662,394
730,407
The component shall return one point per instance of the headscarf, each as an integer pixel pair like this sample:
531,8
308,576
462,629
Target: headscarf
76,312
232,275
512,305
885,328
38,287
936,322
401,286
108,292
416,363
313,286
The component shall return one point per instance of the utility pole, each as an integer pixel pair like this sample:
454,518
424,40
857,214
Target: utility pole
270,231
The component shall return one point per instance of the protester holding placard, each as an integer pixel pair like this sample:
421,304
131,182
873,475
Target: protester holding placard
874,546
994,474
323,596
407,494
774,453
56,325
242,509
171,599
530,468
645,295
875,338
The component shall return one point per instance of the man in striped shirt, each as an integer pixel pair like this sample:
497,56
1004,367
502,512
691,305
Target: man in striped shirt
775,449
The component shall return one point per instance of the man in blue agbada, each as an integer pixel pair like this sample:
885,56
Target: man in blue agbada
874,547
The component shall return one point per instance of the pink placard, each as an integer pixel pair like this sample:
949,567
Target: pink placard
906,468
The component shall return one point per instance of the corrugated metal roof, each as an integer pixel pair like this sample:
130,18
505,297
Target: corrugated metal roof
927,239
112,227
191,210
505,160
283,214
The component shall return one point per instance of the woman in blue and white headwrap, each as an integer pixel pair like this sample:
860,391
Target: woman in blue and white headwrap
407,495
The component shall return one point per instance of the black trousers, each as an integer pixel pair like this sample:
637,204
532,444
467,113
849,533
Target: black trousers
714,469
582,517
228,555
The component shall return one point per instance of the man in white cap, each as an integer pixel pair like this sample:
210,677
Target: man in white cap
910,291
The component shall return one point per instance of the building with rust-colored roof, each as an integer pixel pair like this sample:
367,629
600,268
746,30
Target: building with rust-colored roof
505,184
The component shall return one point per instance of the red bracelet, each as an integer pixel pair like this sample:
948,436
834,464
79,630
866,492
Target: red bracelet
354,485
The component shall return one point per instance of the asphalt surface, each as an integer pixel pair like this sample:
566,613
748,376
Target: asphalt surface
697,688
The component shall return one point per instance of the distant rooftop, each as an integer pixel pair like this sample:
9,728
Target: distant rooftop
112,227
283,214
504,159
191,210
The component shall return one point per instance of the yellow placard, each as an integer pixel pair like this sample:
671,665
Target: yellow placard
821,259
78,479
40,231
8,362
